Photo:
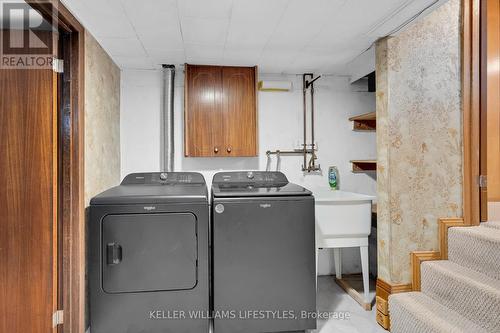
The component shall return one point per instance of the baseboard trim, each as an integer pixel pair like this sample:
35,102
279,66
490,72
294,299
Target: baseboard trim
444,224
383,291
417,257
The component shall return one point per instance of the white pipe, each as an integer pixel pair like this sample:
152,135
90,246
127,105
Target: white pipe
167,123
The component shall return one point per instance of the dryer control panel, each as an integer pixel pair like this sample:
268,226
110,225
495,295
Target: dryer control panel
163,178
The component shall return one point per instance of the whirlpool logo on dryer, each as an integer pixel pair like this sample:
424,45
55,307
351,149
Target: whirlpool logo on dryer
149,208
265,205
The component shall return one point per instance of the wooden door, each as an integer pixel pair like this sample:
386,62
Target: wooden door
491,121
28,200
203,111
239,111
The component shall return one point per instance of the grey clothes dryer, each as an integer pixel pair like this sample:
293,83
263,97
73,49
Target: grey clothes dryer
149,269
263,266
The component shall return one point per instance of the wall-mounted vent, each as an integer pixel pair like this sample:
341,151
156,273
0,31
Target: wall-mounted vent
275,85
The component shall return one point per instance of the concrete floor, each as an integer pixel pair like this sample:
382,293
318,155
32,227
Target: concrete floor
331,298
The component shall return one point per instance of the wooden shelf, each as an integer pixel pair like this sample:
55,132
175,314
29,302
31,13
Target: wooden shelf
366,122
359,166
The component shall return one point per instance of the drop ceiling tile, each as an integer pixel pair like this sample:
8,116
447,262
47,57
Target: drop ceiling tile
275,61
130,47
134,62
399,17
161,56
253,22
104,19
302,21
355,19
317,60
163,37
288,52
165,52
200,51
204,61
244,55
241,62
149,6
289,36
205,8
151,15
204,31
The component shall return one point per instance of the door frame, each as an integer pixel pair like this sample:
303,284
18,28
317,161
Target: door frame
72,217
471,106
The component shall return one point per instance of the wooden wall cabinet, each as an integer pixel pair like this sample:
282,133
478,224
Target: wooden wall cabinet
220,111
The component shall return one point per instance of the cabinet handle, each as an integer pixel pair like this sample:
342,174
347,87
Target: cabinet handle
216,150
229,149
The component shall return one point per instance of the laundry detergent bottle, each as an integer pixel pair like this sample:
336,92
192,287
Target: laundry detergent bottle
333,177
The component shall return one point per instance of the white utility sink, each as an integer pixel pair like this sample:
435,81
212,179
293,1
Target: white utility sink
343,219
341,214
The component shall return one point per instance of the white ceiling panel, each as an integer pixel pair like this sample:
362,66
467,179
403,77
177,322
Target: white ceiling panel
103,18
161,56
150,15
163,37
210,52
130,47
135,62
302,21
206,8
241,55
281,36
253,22
204,31
277,60
353,21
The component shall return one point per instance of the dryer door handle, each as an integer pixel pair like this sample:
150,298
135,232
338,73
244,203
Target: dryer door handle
114,253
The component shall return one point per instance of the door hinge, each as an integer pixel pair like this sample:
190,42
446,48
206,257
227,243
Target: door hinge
58,65
58,318
482,181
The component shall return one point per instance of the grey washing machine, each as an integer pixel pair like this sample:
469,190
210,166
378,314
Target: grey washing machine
148,267
263,247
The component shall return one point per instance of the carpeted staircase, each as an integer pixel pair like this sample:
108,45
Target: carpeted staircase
461,294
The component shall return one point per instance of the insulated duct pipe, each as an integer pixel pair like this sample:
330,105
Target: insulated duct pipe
167,119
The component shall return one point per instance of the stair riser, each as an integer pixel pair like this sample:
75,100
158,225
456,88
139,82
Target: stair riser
475,251
493,225
476,302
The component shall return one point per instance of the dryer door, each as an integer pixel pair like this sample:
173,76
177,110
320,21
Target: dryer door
149,252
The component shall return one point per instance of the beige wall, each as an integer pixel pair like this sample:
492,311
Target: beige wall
102,120
419,137
102,124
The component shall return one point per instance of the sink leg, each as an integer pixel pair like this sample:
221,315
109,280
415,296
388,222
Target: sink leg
365,270
337,256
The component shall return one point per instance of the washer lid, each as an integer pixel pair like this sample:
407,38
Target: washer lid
254,184
156,187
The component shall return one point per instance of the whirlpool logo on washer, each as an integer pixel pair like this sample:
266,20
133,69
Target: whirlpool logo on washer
219,208
149,208
265,205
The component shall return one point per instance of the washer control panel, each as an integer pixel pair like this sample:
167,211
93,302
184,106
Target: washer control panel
164,178
255,178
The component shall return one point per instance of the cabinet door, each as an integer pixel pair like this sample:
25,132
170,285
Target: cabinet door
239,111
203,111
